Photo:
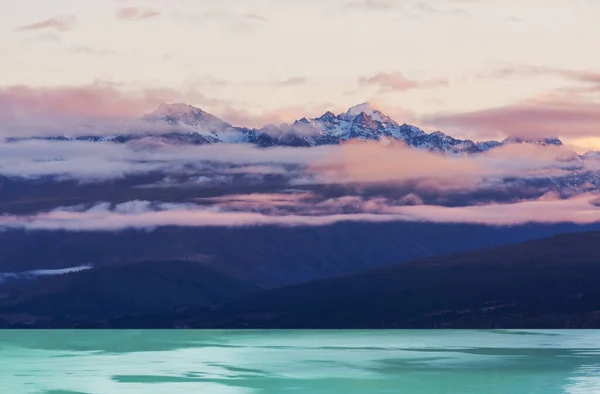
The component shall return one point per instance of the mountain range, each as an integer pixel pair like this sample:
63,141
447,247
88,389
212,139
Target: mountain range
542,283
405,273
182,123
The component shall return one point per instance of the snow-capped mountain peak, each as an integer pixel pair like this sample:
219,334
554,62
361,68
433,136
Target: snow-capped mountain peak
185,124
179,114
365,107
175,109
370,110
327,117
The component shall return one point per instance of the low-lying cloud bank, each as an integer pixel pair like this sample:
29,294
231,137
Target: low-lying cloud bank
147,215
373,163
90,161
357,162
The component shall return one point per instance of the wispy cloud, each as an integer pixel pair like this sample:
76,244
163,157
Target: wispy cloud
570,111
59,23
88,50
292,81
427,9
396,82
369,5
92,161
407,9
314,186
43,38
537,117
101,99
230,20
368,164
588,77
134,13
372,163
99,108
285,114
144,214
512,20
256,17
25,110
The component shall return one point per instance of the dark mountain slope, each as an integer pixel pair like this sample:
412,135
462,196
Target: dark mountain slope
142,287
547,283
268,256
551,282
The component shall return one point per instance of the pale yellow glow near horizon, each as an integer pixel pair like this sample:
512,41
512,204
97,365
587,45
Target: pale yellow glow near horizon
583,145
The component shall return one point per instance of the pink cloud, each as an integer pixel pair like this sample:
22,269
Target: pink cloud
538,117
397,82
579,209
374,163
60,23
272,203
270,198
585,76
96,100
367,162
306,204
133,13
23,104
354,163
370,163
255,17
92,109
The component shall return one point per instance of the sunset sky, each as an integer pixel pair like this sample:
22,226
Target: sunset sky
472,68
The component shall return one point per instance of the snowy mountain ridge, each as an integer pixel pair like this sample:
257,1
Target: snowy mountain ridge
185,124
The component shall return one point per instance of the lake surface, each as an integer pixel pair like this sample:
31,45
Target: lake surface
348,362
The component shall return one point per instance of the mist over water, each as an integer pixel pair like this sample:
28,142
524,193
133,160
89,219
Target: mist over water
235,362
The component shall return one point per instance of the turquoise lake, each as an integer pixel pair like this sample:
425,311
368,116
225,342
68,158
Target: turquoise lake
348,362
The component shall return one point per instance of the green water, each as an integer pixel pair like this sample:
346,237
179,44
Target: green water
348,362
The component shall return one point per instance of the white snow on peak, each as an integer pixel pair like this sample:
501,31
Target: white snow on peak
174,109
187,116
368,109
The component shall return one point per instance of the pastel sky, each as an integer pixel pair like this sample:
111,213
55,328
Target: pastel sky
473,68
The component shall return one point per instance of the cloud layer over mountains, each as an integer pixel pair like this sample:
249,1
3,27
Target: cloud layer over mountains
182,166
352,162
245,185
144,214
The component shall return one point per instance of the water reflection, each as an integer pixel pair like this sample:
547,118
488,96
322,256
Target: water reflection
414,362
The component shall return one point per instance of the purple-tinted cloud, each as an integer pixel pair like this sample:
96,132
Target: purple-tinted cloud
143,214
